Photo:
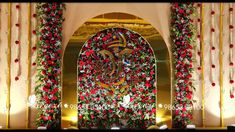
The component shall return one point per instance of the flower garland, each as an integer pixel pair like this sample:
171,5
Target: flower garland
48,89
17,41
231,69
212,45
116,81
182,34
198,47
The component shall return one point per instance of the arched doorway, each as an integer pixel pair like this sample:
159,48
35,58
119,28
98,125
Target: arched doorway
116,20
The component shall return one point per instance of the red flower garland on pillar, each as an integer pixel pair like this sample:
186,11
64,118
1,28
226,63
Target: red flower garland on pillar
49,64
182,36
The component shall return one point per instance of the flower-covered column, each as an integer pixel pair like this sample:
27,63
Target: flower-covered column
48,89
182,35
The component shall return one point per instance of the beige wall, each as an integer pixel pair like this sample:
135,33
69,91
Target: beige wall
157,14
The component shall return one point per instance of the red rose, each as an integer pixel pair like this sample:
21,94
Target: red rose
81,97
93,91
54,98
121,108
181,11
153,110
154,91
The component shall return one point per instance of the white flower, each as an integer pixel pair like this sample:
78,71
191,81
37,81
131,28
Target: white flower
126,101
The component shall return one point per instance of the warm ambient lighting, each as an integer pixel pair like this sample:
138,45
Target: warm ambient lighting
0,127
74,119
66,105
158,119
190,126
163,127
160,105
32,100
115,128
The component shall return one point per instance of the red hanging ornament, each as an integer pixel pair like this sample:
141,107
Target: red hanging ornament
17,6
230,26
34,15
34,31
199,53
17,24
213,66
198,36
212,30
230,9
199,68
231,81
199,20
213,84
34,48
231,46
16,60
199,5
231,64
231,96
212,12
34,64
17,42
213,48
16,78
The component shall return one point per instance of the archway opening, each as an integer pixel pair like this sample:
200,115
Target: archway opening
98,23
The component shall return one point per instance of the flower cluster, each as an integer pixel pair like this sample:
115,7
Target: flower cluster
182,34
116,80
49,63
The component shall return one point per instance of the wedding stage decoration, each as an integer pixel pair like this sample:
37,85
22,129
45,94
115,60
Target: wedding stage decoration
48,89
183,36
116,81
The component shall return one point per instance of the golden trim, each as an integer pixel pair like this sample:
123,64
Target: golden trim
202,64
221,64
9,67
29,64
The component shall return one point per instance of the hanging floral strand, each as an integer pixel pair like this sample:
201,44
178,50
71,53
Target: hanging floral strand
48,89
17,42
34,36
198,26
231,72
182,35
212,44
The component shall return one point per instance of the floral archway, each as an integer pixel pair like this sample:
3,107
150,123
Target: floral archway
116,81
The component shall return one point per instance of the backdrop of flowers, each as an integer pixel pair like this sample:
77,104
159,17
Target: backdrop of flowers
182,34
116,81
48,89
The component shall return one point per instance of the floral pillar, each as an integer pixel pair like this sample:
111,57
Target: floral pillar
48,90
182,35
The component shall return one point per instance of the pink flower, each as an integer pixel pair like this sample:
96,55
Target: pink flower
81,97
153,110
81,63
121,108
181,11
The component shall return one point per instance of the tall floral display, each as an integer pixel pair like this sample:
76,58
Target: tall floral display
48,89
182,34
116,81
